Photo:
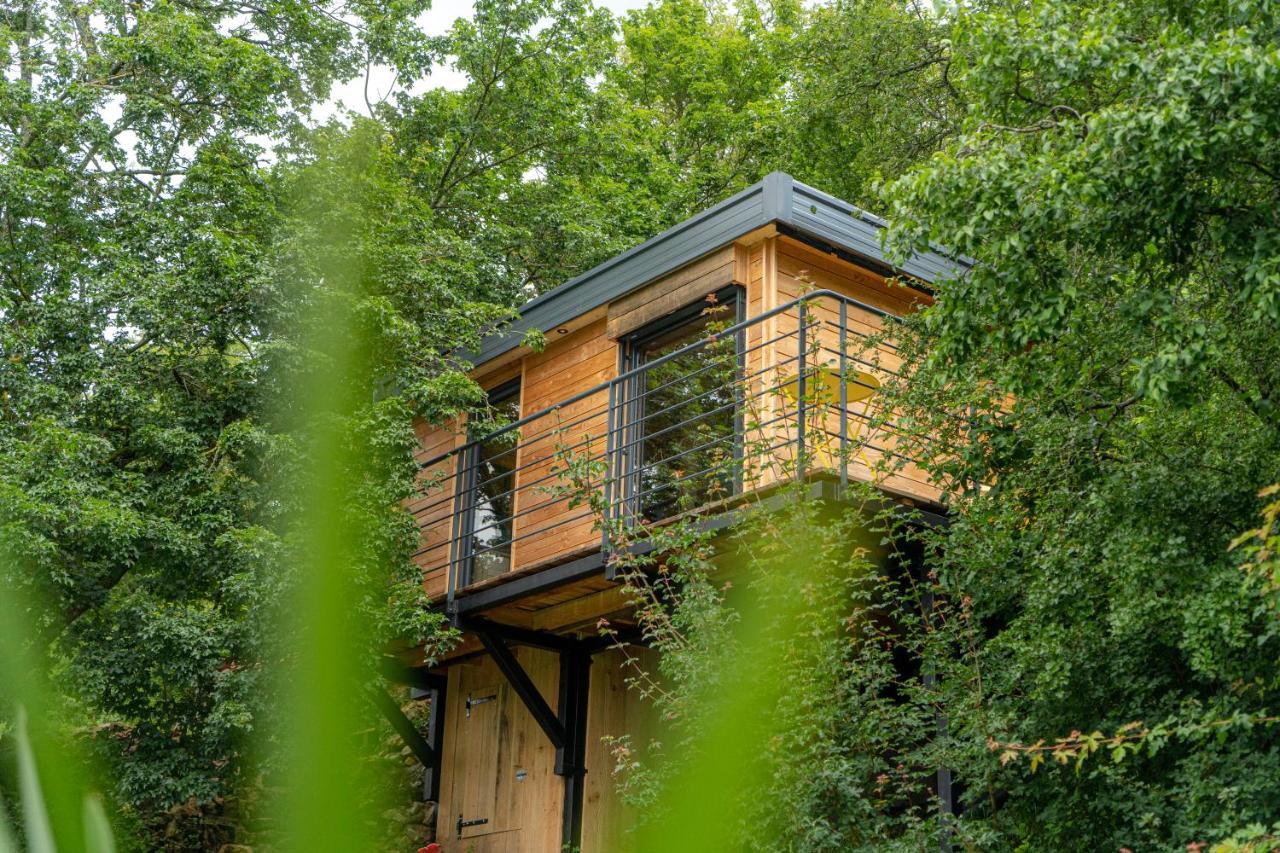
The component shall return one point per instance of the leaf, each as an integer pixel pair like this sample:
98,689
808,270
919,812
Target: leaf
8,844
35,817
97,830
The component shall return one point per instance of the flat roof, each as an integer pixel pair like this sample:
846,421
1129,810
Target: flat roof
795,208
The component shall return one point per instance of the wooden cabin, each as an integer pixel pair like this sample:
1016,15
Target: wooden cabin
765,323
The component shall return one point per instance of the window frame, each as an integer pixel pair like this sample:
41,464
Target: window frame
500,393
631,357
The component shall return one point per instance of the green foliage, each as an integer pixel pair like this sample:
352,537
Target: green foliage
1111,356
1099,388
1260,549
699,95
342,536
789,688
1255,838
37,829
872,95
153,270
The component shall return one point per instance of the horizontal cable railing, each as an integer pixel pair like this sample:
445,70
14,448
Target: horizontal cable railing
747,406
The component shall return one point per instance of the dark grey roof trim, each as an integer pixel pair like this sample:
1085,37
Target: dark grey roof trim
846,227
778,199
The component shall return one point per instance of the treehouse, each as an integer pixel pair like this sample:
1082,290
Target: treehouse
743,348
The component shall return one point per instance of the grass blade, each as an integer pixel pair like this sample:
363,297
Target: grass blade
97,829
36,817
8,843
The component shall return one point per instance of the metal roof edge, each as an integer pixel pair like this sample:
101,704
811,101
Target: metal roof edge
760,187
776,199
682,243
849,227
777,188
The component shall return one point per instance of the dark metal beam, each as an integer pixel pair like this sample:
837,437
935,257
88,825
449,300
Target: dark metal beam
915,559
819,490
703,525
628,637
571,759
593,564
524,687
414,676
564,573
933,515
404,727
514,634
435,738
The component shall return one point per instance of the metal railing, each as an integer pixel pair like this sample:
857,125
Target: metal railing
746,406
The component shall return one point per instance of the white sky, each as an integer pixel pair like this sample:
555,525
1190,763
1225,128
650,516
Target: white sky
436,21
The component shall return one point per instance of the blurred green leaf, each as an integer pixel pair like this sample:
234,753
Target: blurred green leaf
35,817
97,829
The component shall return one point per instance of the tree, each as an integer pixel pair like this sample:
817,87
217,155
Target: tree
137,211
707,98
871,95
147,305
157,257
1100,387
495,164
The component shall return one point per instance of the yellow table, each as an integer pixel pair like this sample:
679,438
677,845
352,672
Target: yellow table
822,388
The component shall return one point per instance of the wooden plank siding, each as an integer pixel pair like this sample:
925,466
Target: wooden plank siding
433,509
614,710
801,269
546,525
681,288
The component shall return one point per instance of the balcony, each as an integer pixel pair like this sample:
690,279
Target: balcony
704,412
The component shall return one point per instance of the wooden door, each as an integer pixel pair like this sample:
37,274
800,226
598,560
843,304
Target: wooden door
483,725
499,792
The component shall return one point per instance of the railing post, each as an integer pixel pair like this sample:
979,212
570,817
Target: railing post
610,466
631,434
801,390
844,397
471,484
455,535
739,410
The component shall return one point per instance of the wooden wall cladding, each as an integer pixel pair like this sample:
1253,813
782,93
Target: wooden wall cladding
546,526
801,269
774,270
433,510
681,288
613,710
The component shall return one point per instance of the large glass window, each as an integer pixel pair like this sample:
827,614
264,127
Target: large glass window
493,505
685,433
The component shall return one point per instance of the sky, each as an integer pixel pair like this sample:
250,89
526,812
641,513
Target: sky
436,21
